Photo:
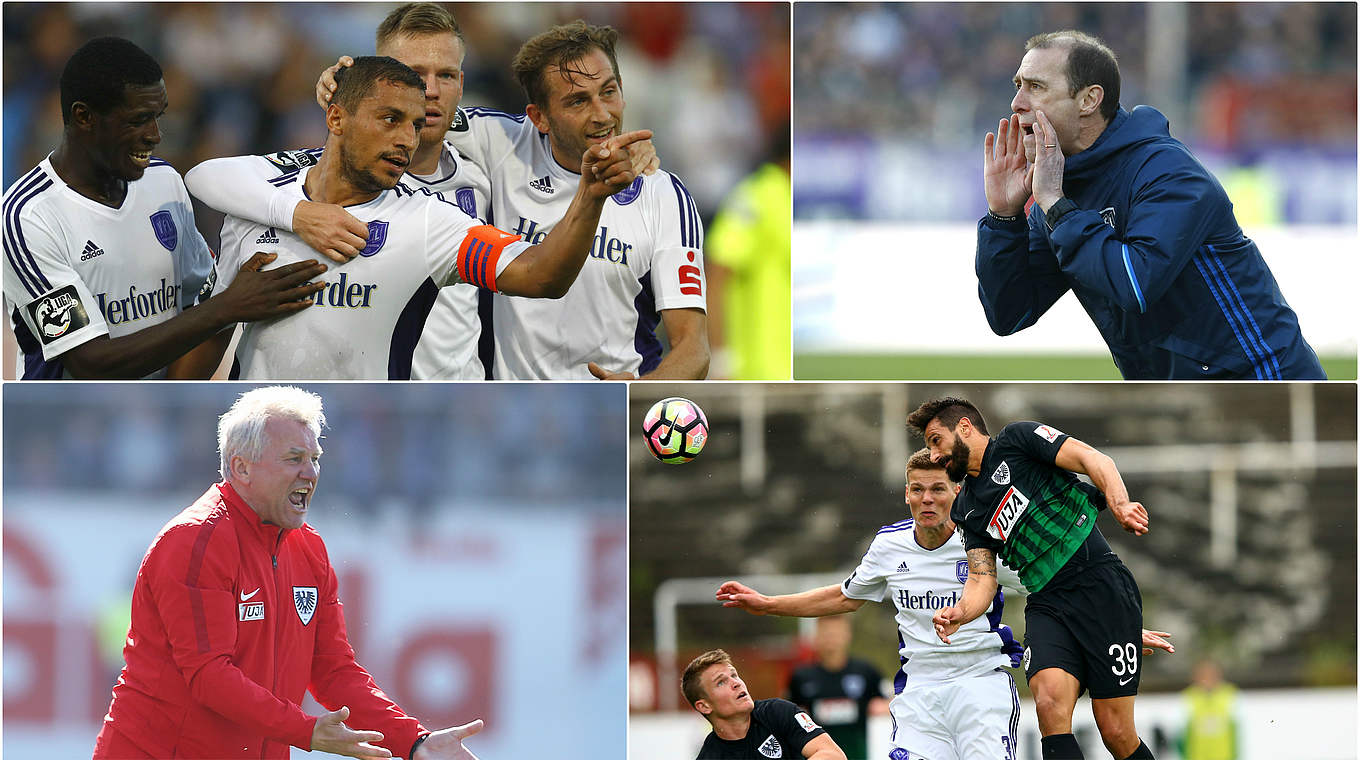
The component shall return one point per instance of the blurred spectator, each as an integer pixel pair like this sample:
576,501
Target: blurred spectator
1211,720
892,93
748,249
414,451
240,75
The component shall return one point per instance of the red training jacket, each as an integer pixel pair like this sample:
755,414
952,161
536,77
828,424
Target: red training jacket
232,620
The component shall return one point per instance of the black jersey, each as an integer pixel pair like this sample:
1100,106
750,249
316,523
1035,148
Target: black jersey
1031,512
839,701
779,729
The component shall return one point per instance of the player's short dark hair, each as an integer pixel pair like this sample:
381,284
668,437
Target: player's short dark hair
418,18
353,83
101,70
1089,61
690,683
559,47
921,461
948,410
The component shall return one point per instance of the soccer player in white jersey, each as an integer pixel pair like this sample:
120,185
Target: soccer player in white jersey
102,259
368,317
646,264
427,38
951,702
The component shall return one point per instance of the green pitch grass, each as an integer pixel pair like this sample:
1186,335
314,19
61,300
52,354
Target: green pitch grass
985,367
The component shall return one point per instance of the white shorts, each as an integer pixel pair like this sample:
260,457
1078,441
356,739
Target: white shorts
973,718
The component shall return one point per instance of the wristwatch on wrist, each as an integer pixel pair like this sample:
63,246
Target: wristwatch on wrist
1062,207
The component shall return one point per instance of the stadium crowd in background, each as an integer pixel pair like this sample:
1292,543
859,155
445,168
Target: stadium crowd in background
406,454
241,77
939,62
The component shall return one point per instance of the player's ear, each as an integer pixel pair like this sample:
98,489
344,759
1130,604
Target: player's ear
239,469
335,119
703,707
538,117
1091,99
82,116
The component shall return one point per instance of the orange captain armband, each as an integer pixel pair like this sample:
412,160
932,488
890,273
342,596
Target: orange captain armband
478,254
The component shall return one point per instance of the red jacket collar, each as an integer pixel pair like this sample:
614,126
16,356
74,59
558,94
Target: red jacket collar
242,511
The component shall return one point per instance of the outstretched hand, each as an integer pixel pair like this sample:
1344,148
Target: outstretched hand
258,293
448,743
332,735
735,594
1157,640
607,167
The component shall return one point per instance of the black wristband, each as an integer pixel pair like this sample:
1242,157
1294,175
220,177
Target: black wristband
1062,207
416,745
1003,219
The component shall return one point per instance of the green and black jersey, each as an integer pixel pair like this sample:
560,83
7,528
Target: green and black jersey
1032,513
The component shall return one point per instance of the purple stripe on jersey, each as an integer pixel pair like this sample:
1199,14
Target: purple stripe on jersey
15,248
1015,718
406,334
285,179
688,219
897,527
486,342
1009,646
644,337
900,677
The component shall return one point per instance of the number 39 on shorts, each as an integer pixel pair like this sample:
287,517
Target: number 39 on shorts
1125,659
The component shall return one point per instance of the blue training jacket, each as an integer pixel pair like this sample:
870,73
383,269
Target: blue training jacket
1157,259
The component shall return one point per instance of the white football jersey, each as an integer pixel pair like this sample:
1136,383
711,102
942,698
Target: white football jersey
921,582
647,257
447,348
365,324
76,269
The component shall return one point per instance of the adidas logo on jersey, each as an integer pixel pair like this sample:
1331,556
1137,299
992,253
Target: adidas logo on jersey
902,568
91,250
770,748
270,237
543,185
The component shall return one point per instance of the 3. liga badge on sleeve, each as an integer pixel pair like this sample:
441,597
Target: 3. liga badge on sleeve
304,599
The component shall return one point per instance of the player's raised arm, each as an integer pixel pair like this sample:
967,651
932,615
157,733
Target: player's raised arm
818,602
239,186
978,592
1078,457
548,269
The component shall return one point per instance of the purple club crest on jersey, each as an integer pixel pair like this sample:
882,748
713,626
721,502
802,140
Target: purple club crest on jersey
628,194
377,235
961,570
163,224
467,201
899,754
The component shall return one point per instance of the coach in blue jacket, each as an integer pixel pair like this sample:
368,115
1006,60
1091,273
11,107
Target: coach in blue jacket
1128,219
